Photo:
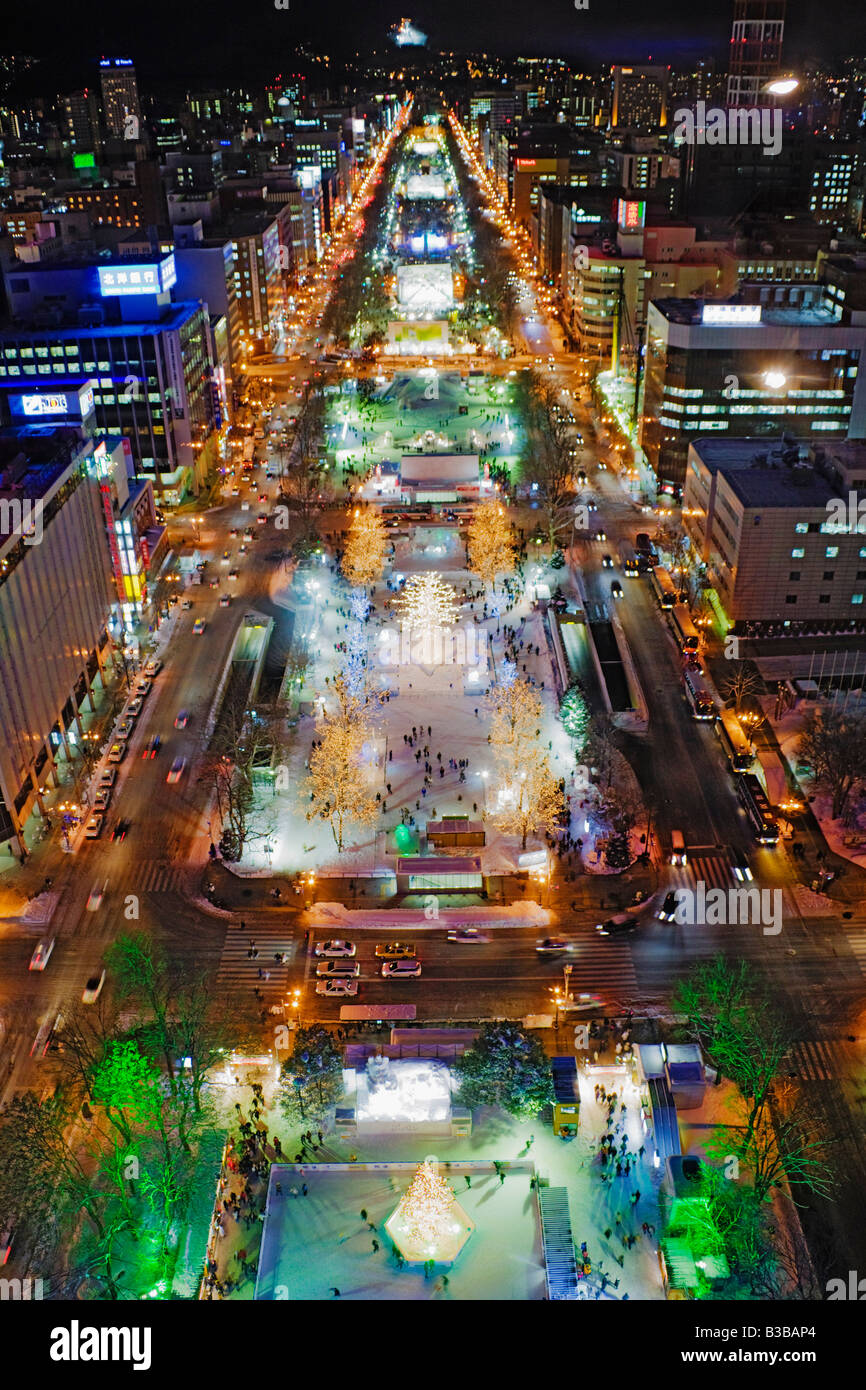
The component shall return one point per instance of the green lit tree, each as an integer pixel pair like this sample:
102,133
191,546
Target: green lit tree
505,1067
575,718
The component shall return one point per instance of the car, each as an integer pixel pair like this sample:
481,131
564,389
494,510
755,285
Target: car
263,497
120,830
199,626
396,969
126,726
107,777
245,506
214,584
468,935
181,719
347,969
93,988
143,687
551,946
338,988
616,589
233,532
97,893
226,557
175,772
236,492
668,910
395,950
607,562
601,535
154,666
42,954
621,925
581,477
225,600
233,574
152,747
102,798
186,605
93,828
335,948
678,854
249,534
740,867
262,518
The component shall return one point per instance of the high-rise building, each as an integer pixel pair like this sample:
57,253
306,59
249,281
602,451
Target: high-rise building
119,97
82,119
756,49
639,98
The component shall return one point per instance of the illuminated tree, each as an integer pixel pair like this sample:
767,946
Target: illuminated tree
427,603
515,720
505,1067
575,718
426,1210
490,542
531,801
337,786
366,547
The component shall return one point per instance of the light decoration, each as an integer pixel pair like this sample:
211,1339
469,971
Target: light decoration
428,1222
575,717
427,603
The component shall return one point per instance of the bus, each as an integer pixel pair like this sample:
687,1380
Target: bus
757,808
699,695
684,628
663,587
737,747
249,451
628,560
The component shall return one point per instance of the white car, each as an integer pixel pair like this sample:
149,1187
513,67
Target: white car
108,777
41,955
345,969
134,706
469,935
395,969
337,987
93,988
93,828
143,687
336,948
102,799
126,726
152,667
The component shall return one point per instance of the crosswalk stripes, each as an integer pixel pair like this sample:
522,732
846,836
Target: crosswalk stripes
154,877
601,964
712,867
238,970
812,1061
857,942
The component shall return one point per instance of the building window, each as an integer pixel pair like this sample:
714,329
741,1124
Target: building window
823,598
829,574
790,598
831,552
794,575
798,553
802,528
856,598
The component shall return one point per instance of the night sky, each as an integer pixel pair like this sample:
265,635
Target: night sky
200,42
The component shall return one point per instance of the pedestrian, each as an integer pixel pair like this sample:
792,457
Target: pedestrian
335,1292
501,1178
468,1180
608,1233
363,1214
375,1245
304,1190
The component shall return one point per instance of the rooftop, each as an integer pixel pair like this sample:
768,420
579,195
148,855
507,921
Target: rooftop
688,312
756,473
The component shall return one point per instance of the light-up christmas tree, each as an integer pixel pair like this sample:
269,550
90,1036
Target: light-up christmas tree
427,603
429,1223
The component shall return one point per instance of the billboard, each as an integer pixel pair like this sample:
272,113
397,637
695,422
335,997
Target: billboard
426,288
42,405
731,315
630,215
135,278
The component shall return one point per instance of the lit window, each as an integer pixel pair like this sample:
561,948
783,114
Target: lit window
798,553
831,552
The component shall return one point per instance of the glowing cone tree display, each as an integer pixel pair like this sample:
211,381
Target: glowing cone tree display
366,547
429,1223
427,603
490,542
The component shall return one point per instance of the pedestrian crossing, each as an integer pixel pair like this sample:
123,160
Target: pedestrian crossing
154,876
711,866
601,965
238,970
814,1061
857,942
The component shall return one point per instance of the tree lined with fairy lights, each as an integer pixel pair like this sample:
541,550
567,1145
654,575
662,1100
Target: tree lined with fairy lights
575,717
490,545
427,603
515,720
533,801
338,786
366,547
426,1210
